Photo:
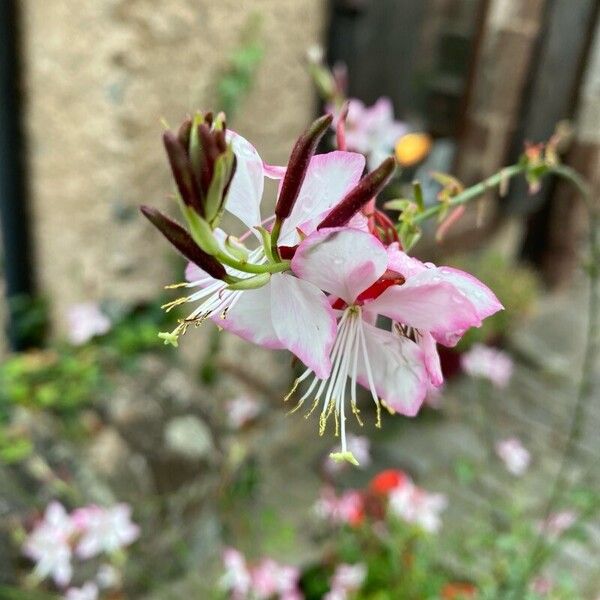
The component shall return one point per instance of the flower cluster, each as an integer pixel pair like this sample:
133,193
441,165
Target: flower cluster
392,494
319,274
264,581
85,533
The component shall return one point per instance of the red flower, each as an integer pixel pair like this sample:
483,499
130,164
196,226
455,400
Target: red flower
387,480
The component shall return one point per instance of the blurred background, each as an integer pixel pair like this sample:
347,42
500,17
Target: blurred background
94,410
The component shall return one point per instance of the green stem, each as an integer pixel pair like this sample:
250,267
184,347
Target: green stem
247,267
275,231
584,389
474,191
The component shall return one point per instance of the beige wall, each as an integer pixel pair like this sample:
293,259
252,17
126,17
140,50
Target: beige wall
100,75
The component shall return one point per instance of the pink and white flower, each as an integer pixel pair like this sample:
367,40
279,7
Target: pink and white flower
365,279
242,410
372,130
414,505
345,509
264,581
86,320
514,455
236,579
488,363
273,580
89,591
346,580
287,312
557,523
104,529
49,545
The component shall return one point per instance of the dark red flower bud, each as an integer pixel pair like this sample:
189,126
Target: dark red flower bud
182,240
183,133
368,187
182,171
298,166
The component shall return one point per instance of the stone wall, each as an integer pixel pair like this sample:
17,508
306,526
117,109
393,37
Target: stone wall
100,74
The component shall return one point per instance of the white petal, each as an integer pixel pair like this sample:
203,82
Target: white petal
303,321
246,189
250,318
397,368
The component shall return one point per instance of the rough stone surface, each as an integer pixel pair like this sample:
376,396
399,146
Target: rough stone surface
100,76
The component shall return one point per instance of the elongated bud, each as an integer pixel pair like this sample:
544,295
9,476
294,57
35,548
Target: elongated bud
368,187
181,239
182,171
298,166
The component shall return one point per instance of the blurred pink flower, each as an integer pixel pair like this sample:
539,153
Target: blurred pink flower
415,505
242,410
514,455
272,580
542,585
264,581
346,579
348,508
85,321
359,446
372,130
236,578
104,529
89,591
49,545
557,523
488,363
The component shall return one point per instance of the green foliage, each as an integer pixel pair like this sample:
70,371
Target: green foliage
236,81
49,380
516,286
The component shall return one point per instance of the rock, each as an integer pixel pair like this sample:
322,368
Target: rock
190,437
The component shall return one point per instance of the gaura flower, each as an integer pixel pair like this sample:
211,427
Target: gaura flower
414,505
365,280
242,410
280,314
49,545
346,580
346,509
372,130
86,320
89,591
236,578
514,455
273,580
558,522
488,363
104,529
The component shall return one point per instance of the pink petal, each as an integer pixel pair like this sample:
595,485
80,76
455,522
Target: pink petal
246,190
328,179
303,321
250,318
398,370
478,293
341,261
274,171
432,358
428,303
402,263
